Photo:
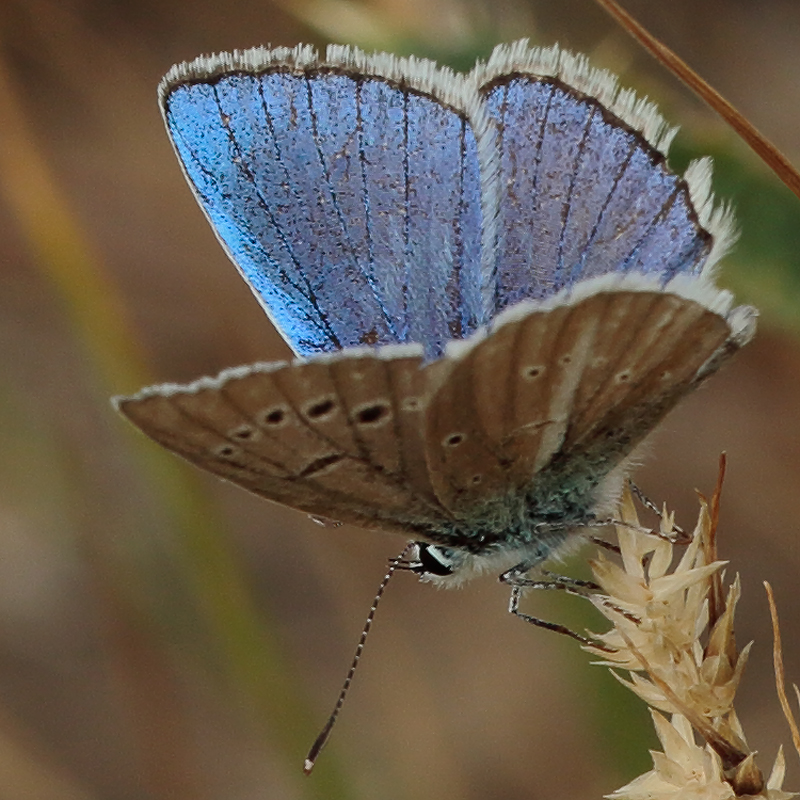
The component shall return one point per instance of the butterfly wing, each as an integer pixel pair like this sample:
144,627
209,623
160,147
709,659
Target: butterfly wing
338,437
346,190
372,200
366,200
550,401
573,388
584,185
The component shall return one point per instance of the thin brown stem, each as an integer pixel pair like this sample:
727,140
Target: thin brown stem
752,136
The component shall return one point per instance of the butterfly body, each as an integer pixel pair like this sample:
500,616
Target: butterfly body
494,284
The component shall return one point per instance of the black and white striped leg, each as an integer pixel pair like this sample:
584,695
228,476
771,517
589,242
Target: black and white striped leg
610,546
513,608
680,537
550,580
516,577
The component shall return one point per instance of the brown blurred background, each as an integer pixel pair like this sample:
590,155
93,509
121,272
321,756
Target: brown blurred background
163,635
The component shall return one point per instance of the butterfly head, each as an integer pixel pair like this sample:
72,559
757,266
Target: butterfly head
450,567
433,563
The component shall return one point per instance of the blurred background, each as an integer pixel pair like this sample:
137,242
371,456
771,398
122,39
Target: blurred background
163,635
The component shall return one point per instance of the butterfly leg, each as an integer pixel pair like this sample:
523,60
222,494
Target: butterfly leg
681,537
551,580
610,546
516,578
513,608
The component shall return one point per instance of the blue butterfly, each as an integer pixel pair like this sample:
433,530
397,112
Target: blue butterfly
494,284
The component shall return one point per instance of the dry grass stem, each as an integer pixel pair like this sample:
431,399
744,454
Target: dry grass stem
672,643
777,660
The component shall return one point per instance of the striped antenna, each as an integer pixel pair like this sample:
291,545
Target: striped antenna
325,733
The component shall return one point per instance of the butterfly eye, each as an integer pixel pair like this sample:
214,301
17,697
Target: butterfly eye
373,413
454,439
321,409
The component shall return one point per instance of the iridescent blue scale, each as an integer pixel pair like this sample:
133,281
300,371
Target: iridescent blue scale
332,194
583,195
363,209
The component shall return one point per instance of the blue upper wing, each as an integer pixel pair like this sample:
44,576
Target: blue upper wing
351,204
582,191
370,200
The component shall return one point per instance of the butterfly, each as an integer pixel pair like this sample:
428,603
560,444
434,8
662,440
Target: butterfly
493,284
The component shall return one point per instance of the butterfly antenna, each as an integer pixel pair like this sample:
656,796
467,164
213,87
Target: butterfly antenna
325,733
